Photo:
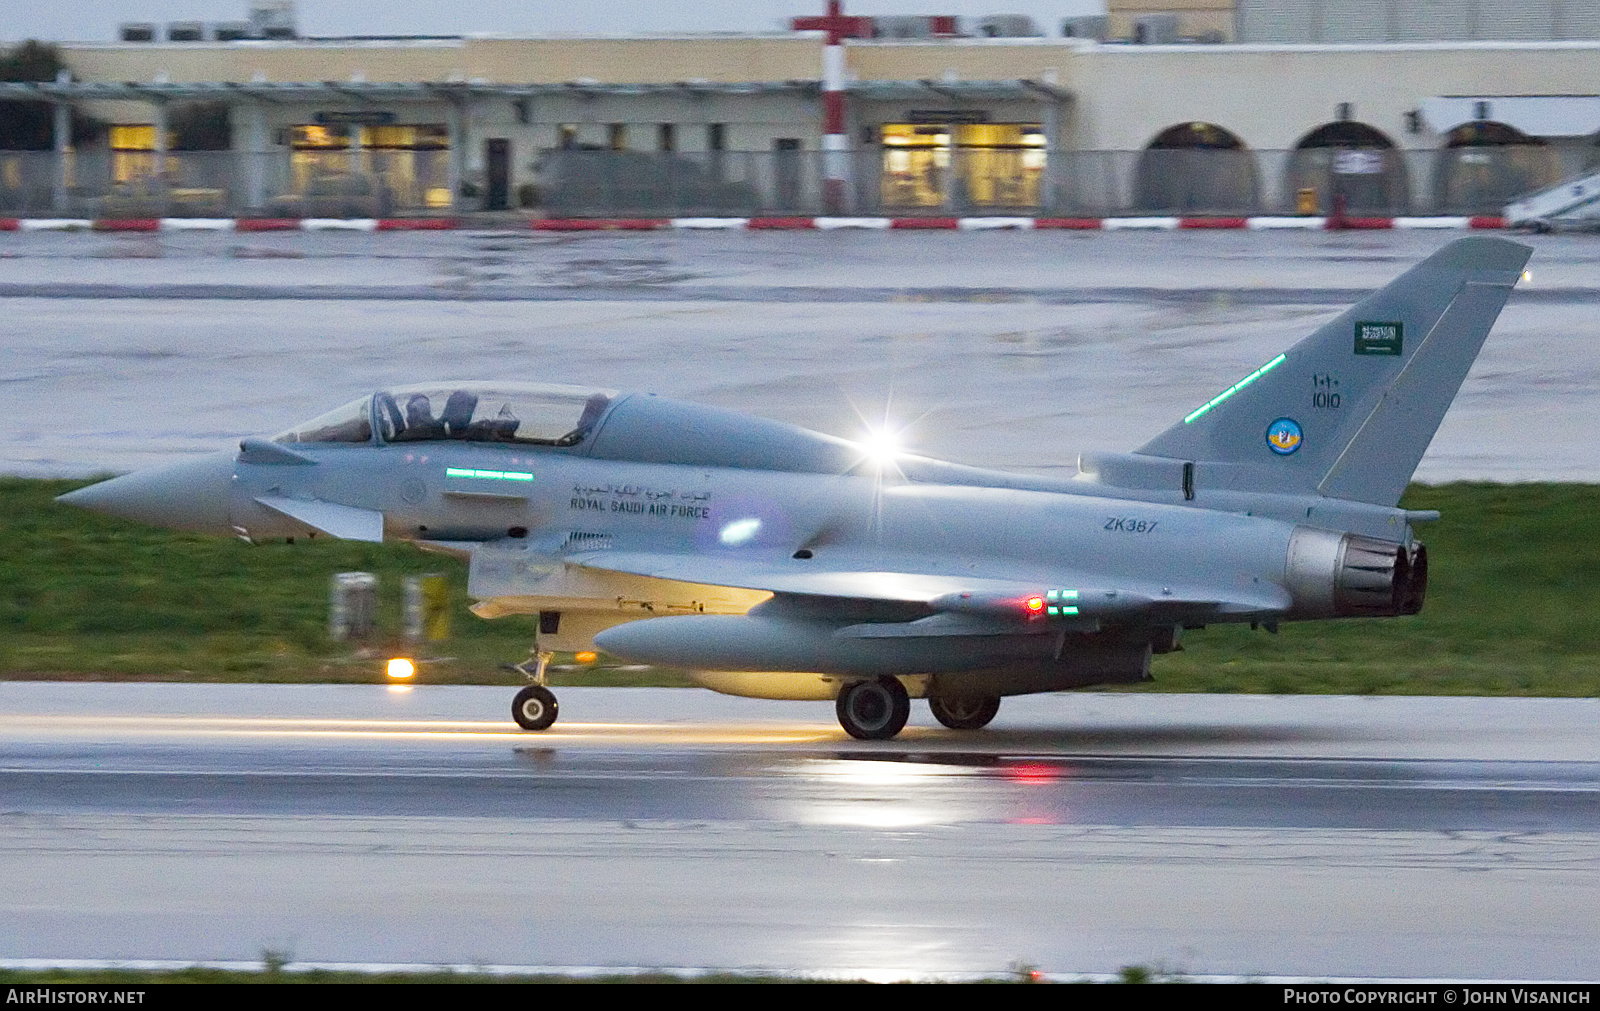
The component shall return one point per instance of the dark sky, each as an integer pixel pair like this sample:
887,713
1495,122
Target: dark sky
97,20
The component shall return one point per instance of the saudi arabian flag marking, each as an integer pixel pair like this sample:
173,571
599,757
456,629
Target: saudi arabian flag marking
1379,338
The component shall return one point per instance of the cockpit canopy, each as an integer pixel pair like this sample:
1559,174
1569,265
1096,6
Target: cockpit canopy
540,415
515,413
350,423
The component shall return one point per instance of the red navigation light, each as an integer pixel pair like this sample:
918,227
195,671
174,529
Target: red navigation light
1034,604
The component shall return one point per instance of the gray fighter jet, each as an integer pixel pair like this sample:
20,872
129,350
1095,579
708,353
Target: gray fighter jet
783,563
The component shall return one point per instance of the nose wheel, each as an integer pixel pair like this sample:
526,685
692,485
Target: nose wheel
534,708
873,710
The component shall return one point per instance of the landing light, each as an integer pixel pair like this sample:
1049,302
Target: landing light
585,657
400,668
882,445
740,531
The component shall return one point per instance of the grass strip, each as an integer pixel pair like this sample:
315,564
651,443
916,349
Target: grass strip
1513,609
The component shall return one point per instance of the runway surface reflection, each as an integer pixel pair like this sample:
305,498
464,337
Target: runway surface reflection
660,827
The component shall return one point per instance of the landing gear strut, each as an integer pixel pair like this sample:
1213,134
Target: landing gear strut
964,712
873,710
534,707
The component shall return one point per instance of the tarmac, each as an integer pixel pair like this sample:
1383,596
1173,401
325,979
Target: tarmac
1211,835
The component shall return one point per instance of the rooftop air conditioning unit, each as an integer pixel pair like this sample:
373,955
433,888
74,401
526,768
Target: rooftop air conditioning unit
1092,26
1007,26
136,31
273,19
915,26
901,26
186,31
1156,29
230,31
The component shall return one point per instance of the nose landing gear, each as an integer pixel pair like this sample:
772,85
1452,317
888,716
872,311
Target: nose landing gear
534,707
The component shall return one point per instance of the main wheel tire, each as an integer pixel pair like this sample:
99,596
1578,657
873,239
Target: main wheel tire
964,712
873,710
534,708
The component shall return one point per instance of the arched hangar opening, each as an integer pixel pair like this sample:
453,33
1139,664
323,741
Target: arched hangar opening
1352,161
1485,165
1196,168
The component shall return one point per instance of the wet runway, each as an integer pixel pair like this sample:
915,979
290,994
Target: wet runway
660,827
1007,349
1212,834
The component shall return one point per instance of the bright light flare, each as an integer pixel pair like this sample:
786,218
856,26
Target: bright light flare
400,668
740,531
1034,605
882,446
585,657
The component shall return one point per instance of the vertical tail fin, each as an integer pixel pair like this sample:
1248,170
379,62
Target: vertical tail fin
1349,411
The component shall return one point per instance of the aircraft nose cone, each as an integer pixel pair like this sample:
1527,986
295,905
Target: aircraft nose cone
188,495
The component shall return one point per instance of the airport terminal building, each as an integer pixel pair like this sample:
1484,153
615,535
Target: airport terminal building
1224,108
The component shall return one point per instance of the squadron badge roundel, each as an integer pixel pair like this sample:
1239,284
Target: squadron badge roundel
1284,436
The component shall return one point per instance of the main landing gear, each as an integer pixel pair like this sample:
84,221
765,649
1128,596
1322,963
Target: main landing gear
534,707
873,710
877,710
964,712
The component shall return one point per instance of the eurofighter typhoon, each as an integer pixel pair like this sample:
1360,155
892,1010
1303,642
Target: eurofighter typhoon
777,562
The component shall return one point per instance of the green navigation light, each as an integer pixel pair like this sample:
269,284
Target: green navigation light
1057,599
488,475
1235,388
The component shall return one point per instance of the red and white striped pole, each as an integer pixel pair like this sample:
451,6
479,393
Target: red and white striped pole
835,131
835,139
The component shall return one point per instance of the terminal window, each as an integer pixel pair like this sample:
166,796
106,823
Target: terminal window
133,147
370,169
960,164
